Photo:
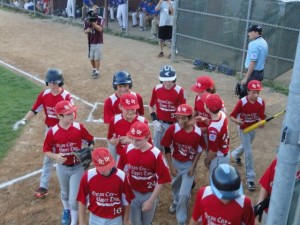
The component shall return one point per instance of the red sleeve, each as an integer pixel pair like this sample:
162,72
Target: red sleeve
248,216
268,177
108,112
197,210
141,109
37,106
162,170
48,142
83,189
167,139
111,128
182,98
129,195
153,98
237,109
85,135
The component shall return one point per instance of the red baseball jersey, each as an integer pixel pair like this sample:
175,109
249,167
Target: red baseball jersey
218,136
249,112
167,101
105,196
111,106
210,210
185,145
199,108
47,101
59,140
144,169
119,127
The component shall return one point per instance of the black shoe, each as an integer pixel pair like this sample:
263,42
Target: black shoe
250,185
238,162
134,25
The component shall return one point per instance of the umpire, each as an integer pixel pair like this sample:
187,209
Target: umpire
256,56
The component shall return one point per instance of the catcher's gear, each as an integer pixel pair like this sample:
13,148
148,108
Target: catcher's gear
54,76
260,207
226,70
157,126
17,124
167,73
200,65
240,90
84,156
121,77
225,182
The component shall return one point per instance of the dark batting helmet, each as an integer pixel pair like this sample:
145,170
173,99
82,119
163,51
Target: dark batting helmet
54,76
225,182
121,77
167,73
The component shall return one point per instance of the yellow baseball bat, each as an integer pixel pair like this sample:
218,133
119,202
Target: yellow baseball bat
262,122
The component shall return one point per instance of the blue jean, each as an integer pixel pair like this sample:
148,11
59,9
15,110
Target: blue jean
246,147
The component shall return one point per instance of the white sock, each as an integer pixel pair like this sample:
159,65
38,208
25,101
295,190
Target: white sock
66,204
97,71
74,217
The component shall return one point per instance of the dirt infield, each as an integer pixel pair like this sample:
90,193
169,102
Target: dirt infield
34,45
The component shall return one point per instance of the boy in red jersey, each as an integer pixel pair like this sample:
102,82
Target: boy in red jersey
120,124
248,110
61,141
187,143
147,173
218,136
105,191
223,201
122,83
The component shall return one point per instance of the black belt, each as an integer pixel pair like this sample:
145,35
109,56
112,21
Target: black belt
167,122
258,71
71,165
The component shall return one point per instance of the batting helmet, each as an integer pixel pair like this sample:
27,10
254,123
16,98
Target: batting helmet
225,182
54,76
121,77
167,73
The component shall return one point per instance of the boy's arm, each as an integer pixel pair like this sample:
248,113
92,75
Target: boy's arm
193,167
81,213
149,203
126,218
236,121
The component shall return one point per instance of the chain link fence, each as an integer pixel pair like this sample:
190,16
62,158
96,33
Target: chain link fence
215,32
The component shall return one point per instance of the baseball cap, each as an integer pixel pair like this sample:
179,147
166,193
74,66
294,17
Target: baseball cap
212,101
254,85
64,107
184,110
256,28
203,83
129,101
102,159
138,130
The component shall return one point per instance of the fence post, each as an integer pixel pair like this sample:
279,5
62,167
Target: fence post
174,31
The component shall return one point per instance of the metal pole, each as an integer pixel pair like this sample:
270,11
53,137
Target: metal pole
106,13
289,152
174,31
245,37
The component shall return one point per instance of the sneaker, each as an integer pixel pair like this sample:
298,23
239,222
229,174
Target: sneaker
135,25
66,217
142,29
250,185
238,162
172,208
161,54
41,192
153,36
123,29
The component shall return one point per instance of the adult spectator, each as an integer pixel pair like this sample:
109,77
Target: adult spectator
86,5
28,5
256,56
17,4
146,13
165,8
93,27
223,201
140,13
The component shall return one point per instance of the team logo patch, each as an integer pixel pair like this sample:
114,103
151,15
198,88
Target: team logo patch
130,101
253,56
212,137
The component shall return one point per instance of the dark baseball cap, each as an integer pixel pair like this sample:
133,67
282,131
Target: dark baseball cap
256,28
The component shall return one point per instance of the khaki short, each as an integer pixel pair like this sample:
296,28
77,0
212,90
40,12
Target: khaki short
96,52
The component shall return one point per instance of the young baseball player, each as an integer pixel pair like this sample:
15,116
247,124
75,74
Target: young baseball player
46,101
120,124
61,141
147,172
204,84
108,203
187,143
223,201
122,83
164,101
248,110
218,136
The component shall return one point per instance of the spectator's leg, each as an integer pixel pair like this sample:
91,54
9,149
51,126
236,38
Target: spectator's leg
142,19
154,26
125,15
73,8
134,19
119,15
83,12
112,13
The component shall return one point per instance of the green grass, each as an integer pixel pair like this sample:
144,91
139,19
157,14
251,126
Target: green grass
17,94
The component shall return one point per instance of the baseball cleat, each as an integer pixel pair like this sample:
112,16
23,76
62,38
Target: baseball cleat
172,208
41,192
238,162
161,54
250,185
66,217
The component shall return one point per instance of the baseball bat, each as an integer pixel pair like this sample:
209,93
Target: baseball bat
262,122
